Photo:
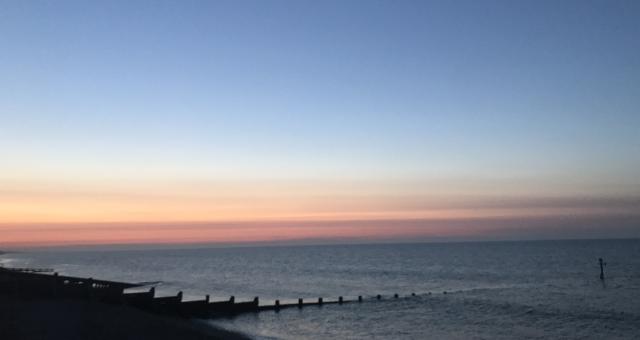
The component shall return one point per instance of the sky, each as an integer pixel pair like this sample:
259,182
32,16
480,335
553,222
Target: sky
318,121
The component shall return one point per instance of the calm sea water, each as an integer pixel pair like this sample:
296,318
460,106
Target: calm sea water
497,290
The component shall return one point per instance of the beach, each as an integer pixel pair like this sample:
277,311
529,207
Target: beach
75,319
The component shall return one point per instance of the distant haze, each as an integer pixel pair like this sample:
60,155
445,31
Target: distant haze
236,122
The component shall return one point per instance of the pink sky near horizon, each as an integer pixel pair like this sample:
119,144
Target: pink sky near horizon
60,210
58,213
37,234
312,232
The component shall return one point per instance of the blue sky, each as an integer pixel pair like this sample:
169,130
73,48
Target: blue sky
547,92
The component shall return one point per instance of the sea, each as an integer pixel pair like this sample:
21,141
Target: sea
470,290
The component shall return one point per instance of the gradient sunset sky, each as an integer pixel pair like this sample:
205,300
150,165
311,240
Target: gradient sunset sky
318,121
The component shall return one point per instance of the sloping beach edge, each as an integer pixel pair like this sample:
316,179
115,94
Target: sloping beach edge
73,319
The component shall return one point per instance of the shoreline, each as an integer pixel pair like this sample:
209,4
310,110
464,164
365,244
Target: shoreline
73,319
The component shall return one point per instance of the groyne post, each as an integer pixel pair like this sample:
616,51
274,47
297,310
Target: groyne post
340,300
232,299
300,303
359,298
320,301
55,285
602,264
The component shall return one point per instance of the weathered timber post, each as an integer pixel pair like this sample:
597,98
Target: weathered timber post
340,300
359,298
379,297
206,298
277,304
320,301
55,285
179,296
602,264
232,299
256,301
300,303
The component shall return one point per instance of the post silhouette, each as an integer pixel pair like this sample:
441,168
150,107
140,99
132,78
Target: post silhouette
602,264
55,284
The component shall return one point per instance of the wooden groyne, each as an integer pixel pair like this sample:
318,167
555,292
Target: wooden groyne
35,284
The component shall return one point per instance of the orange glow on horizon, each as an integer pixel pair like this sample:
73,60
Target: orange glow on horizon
59,213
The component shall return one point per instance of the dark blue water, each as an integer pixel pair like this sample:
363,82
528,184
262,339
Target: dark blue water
497,290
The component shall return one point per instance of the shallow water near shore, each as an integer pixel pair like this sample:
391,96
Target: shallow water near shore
495,290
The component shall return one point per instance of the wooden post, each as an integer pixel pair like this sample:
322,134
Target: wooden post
179,296
256,301
340,300
300,303
359,298
206,298
602,264
277,304
413,294
378,297
395,295
55,284
320,301
232,299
